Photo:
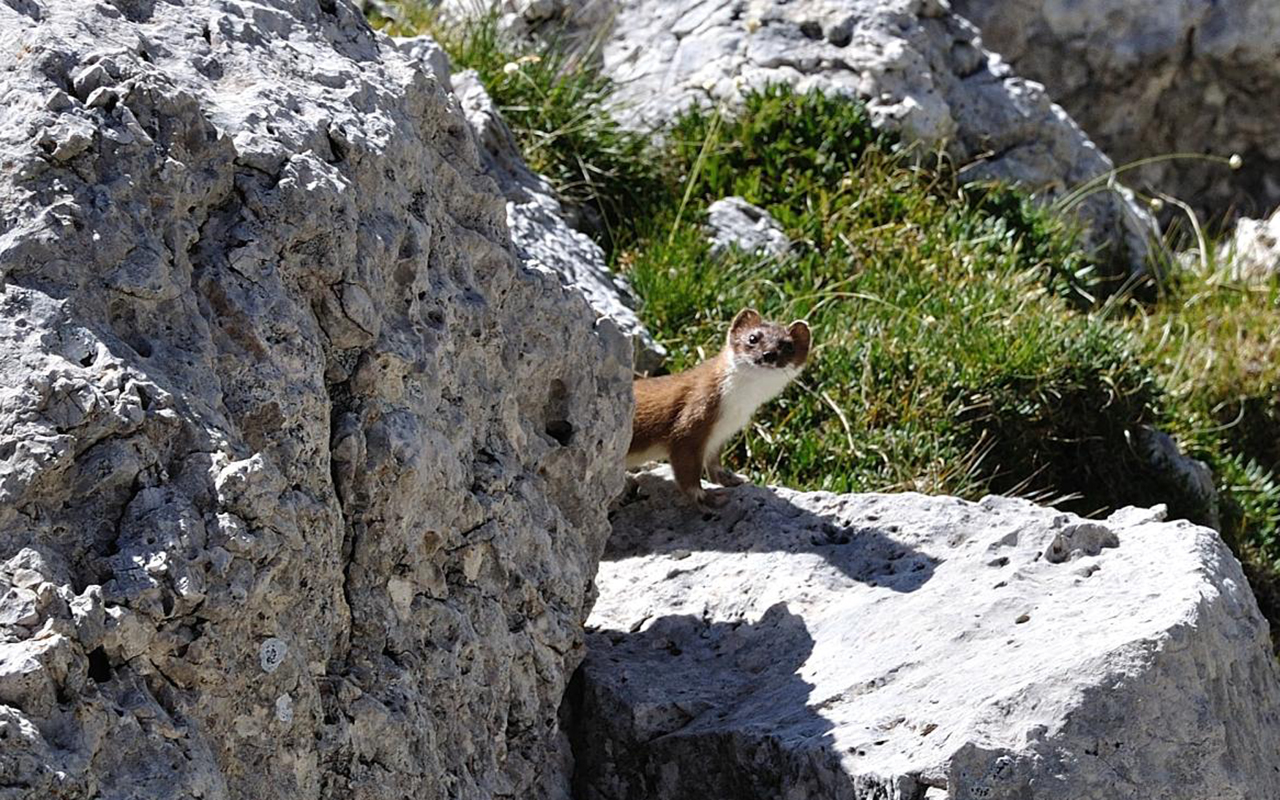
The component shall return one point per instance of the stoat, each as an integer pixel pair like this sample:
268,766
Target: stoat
686,418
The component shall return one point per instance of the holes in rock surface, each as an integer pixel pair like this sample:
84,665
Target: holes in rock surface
206,34
337,147
811,29
558,426
328,6
99,666
840,36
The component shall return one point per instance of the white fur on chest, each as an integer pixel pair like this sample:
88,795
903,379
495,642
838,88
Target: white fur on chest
744,387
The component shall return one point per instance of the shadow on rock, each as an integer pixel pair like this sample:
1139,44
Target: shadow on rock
653,518
690,708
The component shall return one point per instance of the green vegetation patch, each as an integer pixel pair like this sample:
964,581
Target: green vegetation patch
946,360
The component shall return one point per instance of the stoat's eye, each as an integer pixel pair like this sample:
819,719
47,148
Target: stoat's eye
753,339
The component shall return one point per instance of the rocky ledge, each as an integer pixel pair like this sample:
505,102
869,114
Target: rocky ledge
904,646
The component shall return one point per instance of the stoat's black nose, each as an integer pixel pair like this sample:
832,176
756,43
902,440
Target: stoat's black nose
769,357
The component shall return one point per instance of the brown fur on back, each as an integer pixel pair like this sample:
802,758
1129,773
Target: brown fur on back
676,407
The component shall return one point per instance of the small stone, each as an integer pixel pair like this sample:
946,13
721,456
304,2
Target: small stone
271,654
733,222
19,607
88,80
284,709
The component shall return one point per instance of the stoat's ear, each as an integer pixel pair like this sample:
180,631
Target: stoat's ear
801,338
746,318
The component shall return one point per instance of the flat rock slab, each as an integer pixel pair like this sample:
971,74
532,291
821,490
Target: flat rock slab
869,645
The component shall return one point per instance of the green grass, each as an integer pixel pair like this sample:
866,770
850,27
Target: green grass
960,347
946,361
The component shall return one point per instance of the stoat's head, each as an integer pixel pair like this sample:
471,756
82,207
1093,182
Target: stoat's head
754,341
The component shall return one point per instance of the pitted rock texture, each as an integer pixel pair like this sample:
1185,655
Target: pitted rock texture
538,227
302,474
1150,77
733,222
922,71
1254,251
904,646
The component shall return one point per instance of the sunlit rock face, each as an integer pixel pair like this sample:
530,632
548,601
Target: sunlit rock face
903,646
303,474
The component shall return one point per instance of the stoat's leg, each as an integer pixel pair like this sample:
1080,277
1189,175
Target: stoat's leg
686,463
719,474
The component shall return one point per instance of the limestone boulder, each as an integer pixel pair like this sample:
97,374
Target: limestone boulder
903,646
921,69
1151,77
303,474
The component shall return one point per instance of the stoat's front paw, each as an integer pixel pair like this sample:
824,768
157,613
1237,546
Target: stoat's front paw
714,499
727,477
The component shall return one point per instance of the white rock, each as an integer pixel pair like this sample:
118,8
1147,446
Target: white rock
1254,250
821,645
265,347
538,228
271,654
733,222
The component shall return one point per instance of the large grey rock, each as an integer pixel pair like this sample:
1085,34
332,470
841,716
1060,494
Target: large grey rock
538,227
855,646
921,70
302,475
1150,77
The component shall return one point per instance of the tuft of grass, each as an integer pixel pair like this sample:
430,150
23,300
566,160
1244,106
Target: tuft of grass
555,103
